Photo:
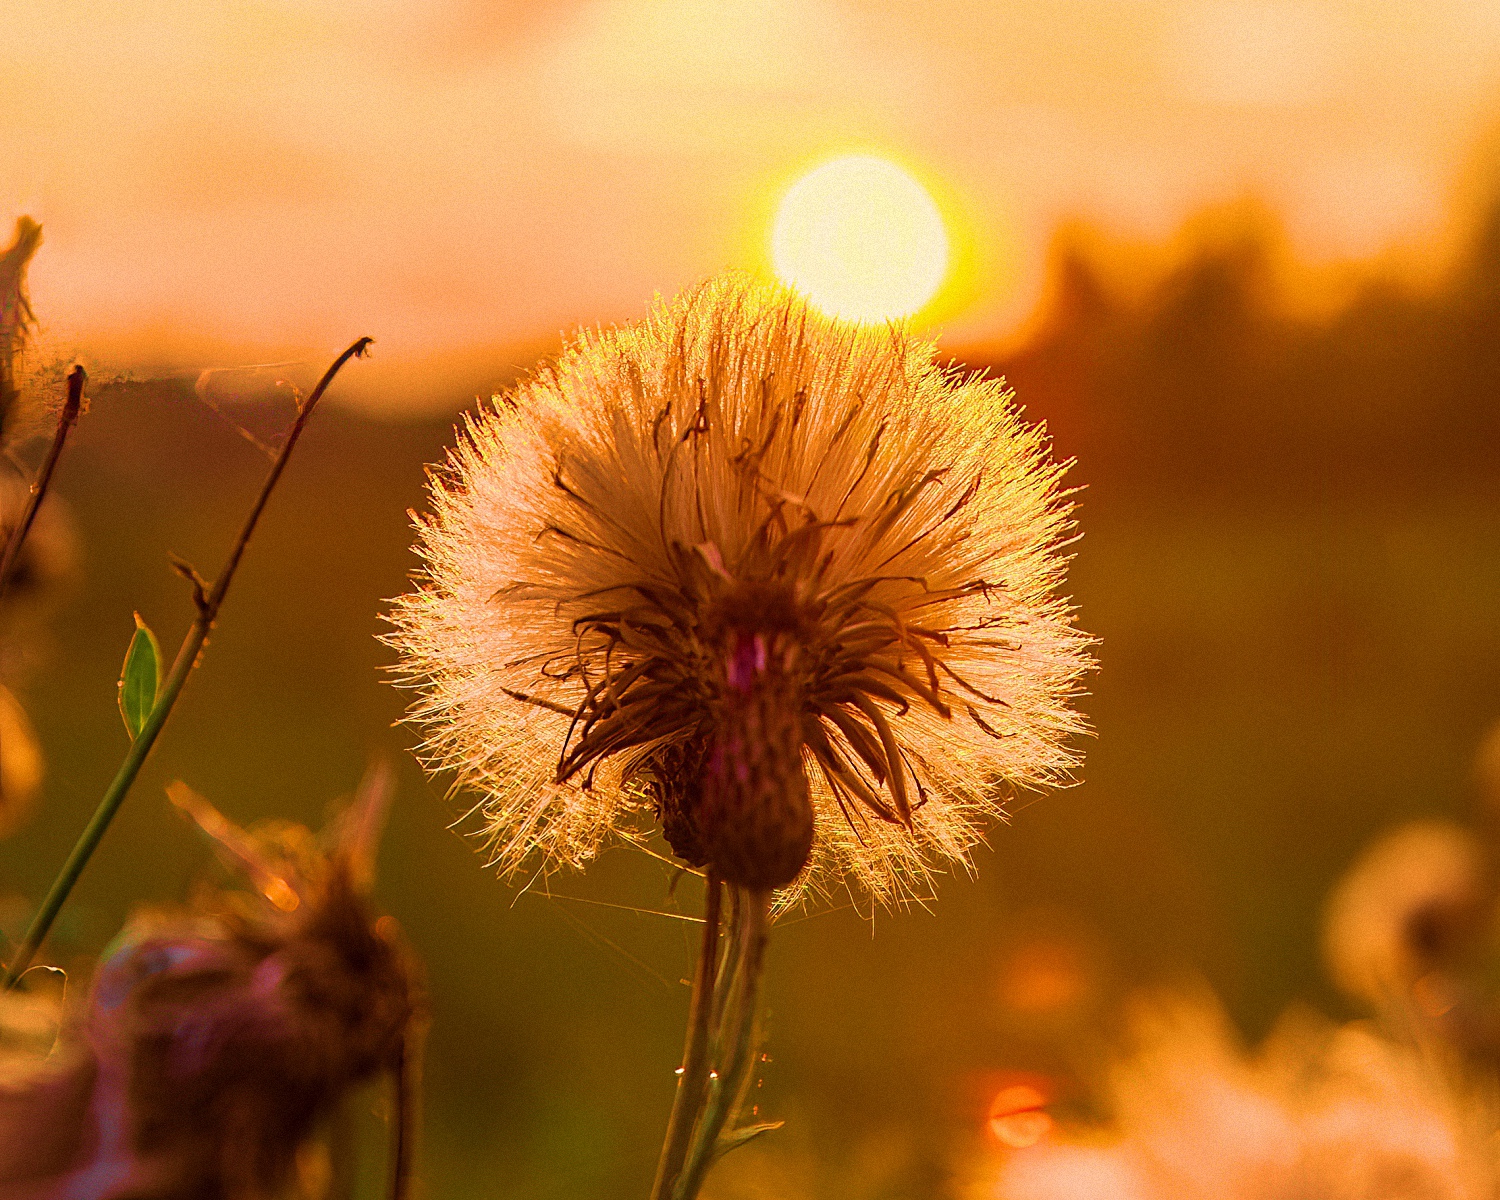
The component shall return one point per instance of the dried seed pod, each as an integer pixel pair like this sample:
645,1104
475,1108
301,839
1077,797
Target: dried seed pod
234,1029
754,811
672,779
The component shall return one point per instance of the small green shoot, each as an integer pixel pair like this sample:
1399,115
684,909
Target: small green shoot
139,678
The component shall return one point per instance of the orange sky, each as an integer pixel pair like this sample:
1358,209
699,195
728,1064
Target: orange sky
462,179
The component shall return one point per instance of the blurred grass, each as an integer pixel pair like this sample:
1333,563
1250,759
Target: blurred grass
1296,581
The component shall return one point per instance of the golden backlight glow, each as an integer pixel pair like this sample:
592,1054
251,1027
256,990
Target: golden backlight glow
861,239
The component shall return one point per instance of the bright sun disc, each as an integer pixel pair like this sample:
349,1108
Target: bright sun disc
861,239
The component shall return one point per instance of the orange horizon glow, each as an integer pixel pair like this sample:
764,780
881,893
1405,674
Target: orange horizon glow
465,182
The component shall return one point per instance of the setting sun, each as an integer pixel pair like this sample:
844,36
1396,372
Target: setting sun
862,238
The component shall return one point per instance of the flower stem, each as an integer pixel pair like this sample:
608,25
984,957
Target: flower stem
688,1102
208,603
735,1042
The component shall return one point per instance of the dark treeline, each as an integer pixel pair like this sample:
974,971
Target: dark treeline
1205,387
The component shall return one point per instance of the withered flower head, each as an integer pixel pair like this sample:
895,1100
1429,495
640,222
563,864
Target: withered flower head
225,1035
780,579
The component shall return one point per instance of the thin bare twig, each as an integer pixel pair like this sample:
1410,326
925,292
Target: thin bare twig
182,666
65,422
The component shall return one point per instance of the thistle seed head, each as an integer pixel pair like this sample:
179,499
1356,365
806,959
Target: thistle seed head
778,579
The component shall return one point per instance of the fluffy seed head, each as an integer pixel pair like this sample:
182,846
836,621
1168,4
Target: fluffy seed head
780,580
1337,1113
1411,904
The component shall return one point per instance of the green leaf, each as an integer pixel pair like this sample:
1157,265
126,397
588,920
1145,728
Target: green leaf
139,678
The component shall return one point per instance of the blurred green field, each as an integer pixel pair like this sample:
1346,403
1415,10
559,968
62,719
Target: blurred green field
1300,644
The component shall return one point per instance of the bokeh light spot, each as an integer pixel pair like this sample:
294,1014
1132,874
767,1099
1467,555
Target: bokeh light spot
1045,976
861,239
1018,1116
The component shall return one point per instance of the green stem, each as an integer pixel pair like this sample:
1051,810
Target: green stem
728,964
688,1102
187,656
736,1043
